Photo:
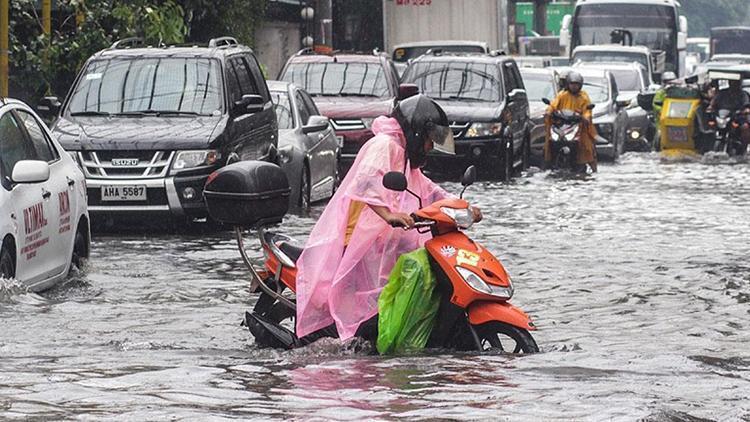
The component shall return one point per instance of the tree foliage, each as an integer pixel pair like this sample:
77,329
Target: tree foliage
703,15
41,64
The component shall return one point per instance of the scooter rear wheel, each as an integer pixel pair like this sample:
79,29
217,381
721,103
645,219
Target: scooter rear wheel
505,337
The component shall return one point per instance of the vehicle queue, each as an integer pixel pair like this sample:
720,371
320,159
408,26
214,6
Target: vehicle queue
114,151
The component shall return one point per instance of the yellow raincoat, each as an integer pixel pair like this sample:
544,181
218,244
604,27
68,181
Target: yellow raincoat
579,103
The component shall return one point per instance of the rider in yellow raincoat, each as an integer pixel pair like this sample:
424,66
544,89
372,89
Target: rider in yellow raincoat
574,98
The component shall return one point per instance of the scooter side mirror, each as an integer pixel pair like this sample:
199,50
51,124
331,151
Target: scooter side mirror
591,106
469,176
395,180
546,101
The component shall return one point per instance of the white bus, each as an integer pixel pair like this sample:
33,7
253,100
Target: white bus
655,24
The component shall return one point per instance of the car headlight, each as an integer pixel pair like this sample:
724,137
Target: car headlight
476,283
477,130
463,217
285,154
367,121
186,160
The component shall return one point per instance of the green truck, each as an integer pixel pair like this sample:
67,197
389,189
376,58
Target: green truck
555,13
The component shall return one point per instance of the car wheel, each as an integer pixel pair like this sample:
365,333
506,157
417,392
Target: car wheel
508,161
7,264
80,251
304,189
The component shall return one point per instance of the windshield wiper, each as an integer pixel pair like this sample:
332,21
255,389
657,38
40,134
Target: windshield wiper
90,113
157,113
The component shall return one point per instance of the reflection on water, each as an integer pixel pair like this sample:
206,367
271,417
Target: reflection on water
638,279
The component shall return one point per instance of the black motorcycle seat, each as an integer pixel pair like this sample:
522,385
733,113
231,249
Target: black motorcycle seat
290,250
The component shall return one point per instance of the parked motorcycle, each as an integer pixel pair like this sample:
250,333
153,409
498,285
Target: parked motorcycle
565,135
727,126
475,311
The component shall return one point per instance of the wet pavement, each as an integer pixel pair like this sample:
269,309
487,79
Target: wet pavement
638,280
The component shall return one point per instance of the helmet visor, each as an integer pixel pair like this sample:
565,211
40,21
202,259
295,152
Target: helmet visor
442,138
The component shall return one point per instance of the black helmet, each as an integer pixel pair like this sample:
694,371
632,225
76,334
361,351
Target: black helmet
422,119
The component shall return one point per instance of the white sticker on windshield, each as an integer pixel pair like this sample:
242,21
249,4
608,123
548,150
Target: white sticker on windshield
92,76
723,84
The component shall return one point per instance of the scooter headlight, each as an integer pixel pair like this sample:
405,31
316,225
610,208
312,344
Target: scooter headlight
555,135
479,285
571,136
463,217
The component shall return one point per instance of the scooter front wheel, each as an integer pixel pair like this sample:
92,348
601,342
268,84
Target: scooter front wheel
495,335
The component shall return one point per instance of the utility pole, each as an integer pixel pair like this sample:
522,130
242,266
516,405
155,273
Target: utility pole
4,47
47,29
324,27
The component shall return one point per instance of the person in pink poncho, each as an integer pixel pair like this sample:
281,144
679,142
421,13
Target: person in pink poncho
354,245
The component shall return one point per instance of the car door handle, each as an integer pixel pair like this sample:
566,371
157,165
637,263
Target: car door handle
71,182
321,136
46,194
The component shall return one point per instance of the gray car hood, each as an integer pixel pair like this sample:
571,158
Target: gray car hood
460,111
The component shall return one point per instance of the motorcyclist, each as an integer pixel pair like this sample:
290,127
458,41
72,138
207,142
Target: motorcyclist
733,98
354,246
576,99
667,79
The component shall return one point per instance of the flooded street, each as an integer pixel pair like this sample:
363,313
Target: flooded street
638,279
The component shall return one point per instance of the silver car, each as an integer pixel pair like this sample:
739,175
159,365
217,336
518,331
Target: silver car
308,151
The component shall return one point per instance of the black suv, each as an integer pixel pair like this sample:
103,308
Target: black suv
148,125
485,99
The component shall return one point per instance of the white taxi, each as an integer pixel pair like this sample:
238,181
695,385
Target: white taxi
44,221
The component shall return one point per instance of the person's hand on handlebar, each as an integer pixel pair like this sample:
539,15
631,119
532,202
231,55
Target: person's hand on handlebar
399,219
477,213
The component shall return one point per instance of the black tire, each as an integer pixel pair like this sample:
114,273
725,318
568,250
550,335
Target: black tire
496,335
304,189
507,161
7,264
80,251
526,154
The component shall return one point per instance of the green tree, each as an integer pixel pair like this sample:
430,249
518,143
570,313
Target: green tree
703,15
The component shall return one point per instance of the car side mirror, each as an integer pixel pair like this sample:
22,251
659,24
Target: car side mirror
407,90
49,106
469,176
315,124
546,101
249,104
646,100
30,171
395,180
691,80
622,102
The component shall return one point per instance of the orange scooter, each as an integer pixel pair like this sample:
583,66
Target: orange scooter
474,314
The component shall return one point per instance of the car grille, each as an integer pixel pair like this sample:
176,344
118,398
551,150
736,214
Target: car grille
459,129
347,124
104,164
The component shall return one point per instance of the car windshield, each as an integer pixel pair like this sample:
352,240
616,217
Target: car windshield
597,90
339,79
407,53
611,57
135,85
283,109
538,86
731,41
627,79
455,80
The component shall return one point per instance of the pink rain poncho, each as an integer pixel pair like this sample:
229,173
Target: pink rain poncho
338,283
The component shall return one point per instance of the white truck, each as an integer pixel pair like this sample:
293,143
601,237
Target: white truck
408,21
655,24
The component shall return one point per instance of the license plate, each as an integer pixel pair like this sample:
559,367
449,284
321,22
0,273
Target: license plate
678,134
123,193
340,141
125,162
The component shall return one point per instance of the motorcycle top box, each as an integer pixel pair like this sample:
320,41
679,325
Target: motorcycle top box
247,194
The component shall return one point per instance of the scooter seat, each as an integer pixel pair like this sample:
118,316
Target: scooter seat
290,250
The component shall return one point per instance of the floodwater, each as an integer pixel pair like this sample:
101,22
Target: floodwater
638,280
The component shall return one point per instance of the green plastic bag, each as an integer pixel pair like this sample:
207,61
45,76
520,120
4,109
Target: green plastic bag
407,305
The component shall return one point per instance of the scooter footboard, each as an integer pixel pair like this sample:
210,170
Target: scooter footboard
481,312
